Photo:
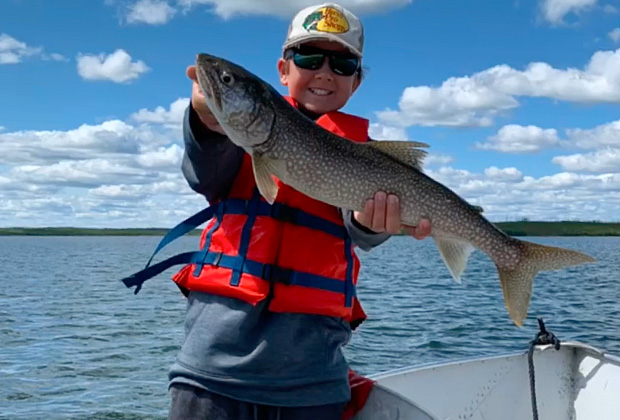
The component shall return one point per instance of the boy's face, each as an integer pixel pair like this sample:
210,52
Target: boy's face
319,90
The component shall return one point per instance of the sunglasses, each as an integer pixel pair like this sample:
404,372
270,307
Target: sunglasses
341,63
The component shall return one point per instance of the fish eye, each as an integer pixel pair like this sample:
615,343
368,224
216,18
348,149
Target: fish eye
227,78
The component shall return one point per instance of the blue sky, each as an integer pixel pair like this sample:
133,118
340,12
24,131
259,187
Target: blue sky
519,100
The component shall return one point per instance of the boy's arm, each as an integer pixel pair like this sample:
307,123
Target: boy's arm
210,161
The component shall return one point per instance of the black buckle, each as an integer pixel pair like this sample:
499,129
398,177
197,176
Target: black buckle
276,274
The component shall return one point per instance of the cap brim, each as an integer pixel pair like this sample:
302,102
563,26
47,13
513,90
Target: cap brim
323,37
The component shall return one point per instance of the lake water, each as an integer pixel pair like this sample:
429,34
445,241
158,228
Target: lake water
76,344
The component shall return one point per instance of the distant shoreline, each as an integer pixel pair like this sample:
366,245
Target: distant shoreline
521,228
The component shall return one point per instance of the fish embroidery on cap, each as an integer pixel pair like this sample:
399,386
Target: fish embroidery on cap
326,19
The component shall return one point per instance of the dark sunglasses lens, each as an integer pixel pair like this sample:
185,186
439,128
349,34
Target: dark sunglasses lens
309,61
344,66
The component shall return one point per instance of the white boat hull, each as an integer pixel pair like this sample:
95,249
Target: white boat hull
577,382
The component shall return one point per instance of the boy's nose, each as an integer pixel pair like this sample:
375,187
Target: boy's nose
324,72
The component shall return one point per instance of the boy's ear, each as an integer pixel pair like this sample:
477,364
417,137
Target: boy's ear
283,71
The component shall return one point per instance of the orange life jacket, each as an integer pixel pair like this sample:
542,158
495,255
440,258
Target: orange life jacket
295,252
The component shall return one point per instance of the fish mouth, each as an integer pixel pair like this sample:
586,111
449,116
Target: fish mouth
206,70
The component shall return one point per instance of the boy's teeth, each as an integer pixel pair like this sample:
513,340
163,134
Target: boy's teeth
320,91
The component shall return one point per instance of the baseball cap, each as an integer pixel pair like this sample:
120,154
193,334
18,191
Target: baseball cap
326,22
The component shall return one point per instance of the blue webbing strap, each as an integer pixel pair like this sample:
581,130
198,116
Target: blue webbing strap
205,249
349,288
268,272
235,277
259,208
141,276
184,227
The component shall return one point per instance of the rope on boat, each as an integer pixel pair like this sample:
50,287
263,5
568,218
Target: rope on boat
542,338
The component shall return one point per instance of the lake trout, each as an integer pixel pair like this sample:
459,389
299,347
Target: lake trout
288,145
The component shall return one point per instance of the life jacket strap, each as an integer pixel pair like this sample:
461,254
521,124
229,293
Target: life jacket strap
268,272
236,263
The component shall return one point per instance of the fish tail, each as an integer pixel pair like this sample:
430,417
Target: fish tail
517,281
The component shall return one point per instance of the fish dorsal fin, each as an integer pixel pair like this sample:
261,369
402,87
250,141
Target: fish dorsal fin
263,168
455,253
407,152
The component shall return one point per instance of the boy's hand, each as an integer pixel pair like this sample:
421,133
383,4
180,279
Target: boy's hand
199,104
382,214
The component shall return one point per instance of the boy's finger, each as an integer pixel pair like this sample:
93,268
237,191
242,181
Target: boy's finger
378,219
365,217
191,72
392,215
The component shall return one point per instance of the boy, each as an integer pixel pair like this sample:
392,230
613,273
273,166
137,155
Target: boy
265,347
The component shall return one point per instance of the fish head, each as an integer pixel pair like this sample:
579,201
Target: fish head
240,101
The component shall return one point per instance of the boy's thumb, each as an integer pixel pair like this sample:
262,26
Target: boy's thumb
191,73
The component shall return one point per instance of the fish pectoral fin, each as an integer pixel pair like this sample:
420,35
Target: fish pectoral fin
455,254
407,152
263,169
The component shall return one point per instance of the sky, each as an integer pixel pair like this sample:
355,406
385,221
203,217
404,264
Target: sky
519,100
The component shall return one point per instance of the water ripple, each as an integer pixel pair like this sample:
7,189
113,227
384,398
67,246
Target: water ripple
73,339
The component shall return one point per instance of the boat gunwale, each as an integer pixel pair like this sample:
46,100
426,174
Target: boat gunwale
575,345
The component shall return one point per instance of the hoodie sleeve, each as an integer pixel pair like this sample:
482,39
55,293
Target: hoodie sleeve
210,161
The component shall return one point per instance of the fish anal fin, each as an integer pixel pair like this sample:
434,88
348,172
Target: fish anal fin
262,174
407,152
454,253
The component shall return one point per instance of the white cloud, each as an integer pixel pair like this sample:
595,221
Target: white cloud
461,101
554,11
173,116
604,135
606,160
55,57
13,51
507,194
285,8
475,100
109,139
504,174
80,173
513,138
117,67
157,12
614,35
378,131
162,157
106,175
433,159
152,12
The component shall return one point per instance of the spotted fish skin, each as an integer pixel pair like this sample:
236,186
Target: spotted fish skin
285,143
